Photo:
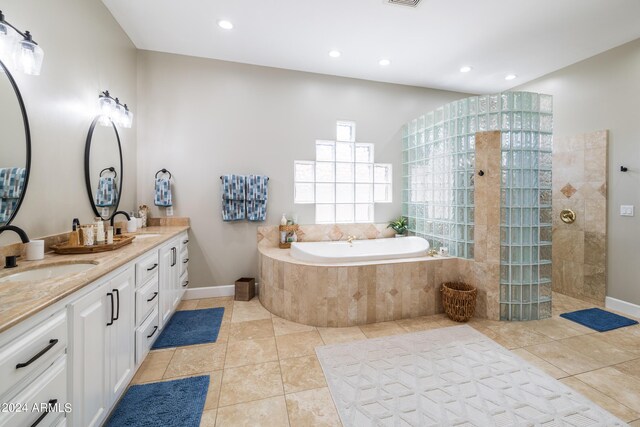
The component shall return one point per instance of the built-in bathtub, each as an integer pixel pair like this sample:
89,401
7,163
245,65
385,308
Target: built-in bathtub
324,289
360,250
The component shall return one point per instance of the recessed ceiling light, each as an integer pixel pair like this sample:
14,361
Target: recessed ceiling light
510,77
225,25
465,69
334,53
384,62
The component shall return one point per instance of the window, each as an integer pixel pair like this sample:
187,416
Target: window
343,182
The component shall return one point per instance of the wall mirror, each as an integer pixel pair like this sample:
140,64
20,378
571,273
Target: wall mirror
15,147
103,167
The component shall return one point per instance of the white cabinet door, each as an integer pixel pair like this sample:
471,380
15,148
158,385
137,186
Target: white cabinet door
121,334
90,316
167,285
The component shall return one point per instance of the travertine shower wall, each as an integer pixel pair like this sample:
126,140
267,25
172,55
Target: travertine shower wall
580,184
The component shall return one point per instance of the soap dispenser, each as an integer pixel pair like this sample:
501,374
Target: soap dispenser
74,236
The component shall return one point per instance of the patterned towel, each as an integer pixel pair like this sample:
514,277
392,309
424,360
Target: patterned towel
233,197
11,182
257,195
107,194
7,207
163,192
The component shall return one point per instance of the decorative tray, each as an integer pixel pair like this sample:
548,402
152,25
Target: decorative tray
118,242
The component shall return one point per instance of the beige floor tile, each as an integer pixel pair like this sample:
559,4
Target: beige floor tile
301,373
383,329
312,408
284,327
270,412
215,302
417,324
632,367
299,344
223,333
244,311
599,350
564,357
153,366
188,304
208,418
506,343
635,423
602,400
541,364
518,334
196,359
615,384
557,328
251,330
251,352
213,393
627,339
340,335
251,382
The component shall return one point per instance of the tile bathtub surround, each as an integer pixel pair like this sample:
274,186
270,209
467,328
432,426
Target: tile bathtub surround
304,399
579,250
327,232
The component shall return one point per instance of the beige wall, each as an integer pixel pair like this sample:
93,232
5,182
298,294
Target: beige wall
86,52
603,92
203,118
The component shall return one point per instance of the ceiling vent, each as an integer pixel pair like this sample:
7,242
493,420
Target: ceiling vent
410,3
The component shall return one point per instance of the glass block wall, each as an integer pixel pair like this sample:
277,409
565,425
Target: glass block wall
438,198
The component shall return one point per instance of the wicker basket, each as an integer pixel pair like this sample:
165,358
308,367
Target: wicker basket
459,300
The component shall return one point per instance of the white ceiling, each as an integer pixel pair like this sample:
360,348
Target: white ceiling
426,45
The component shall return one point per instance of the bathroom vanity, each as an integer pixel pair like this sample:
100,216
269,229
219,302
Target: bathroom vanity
77,340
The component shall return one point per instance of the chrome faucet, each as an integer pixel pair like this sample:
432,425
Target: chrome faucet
10,261
351,238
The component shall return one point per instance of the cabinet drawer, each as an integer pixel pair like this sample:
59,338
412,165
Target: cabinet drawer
146,268
184,281
146,300
50,387
33,350
184,241
146,334
184,261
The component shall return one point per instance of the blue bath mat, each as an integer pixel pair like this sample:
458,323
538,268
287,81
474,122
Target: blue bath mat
599,320
190,327
176,403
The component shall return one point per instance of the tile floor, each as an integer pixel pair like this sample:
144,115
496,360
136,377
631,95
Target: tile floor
264,371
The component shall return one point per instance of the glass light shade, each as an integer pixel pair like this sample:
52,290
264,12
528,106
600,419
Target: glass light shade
8,41
120,114
107,106
28,57
128,118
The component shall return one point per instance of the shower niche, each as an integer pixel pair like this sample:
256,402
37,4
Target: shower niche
477,180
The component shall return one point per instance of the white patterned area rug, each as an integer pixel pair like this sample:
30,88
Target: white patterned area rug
448,377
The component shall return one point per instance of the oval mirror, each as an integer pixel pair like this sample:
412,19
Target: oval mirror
103,167
15,147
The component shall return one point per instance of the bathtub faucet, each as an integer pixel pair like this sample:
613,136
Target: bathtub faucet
351,238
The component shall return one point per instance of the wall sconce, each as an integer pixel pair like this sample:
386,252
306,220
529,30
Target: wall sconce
18,50
111,110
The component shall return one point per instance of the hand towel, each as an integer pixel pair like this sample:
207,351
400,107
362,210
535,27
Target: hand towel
7,207
163,192
107,194
233,197
257,195
12,182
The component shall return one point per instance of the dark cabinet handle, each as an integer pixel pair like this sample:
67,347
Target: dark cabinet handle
155,294
155,328
175,257
184,242
152,268
39,355
185,261
118,308
44,414
112,308
185,284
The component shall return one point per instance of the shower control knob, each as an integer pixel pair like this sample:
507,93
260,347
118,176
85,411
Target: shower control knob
481,173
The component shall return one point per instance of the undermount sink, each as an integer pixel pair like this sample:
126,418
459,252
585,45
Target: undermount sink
146,236
47,272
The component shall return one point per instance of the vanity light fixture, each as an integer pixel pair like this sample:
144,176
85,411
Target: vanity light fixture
18,50
111,110
384,62
510,77
225,25
465,69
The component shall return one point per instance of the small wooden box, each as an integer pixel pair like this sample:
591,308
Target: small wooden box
245,289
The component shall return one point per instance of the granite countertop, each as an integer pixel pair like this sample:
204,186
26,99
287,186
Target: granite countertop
22,299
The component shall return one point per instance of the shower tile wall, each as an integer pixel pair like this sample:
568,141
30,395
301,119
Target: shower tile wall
439,156
580,184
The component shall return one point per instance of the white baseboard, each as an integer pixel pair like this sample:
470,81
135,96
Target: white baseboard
211,292
622,306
